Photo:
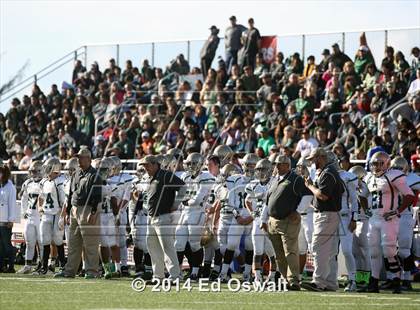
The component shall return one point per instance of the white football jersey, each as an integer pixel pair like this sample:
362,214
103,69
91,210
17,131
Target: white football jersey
124,183
225,194
31,189
386,189
363,191
256,194
52,194
198,188
241,181
349,199
413,181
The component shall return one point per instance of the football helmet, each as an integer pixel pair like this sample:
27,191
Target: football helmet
117,165
35,170
263,170
400,163
52,165
332,159
358,171
224,153
248,164
71,166
379,163
227,171
194,163
177,153
105,167
272,158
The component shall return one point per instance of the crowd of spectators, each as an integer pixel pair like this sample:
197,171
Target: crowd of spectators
292,105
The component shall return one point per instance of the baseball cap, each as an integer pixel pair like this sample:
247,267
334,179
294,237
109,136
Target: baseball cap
325,52
84,152
213,28
282,159
148,159
233,17
145,134
318,152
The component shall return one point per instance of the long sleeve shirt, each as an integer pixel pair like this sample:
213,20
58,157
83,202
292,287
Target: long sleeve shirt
8,209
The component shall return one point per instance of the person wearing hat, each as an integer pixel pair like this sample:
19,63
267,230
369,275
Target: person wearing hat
305,145
323,65
327,190
233,44
208,51
82,212
363,58
338,57
286,198
164,193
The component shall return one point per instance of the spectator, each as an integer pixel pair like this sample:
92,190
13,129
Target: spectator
208,51
305,145
179,65
277,68
251,40
325,61
363,59
338,57
26,161
233,44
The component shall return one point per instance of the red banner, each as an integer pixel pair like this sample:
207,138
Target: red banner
269,48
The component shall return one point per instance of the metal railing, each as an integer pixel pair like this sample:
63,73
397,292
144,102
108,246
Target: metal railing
160,53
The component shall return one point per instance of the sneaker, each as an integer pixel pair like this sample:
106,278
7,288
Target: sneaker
62,274
25,270
10,270
42,271
124,271
89,276
351,286
312,287
406,285
396,286
38,267
82,273
387,285
107,272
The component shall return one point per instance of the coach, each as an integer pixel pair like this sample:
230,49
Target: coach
84,230
161,202
327,191
284,196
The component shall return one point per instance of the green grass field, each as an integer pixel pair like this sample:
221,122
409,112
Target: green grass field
34,292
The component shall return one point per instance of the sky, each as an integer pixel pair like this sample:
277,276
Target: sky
40,32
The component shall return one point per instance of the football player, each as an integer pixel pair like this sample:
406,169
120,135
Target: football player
191,222
360,239
256,204
121,183
385,186
50,202
307,218
138,221
405,232
31,189
240,225
348,213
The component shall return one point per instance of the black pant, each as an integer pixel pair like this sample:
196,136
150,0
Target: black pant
206,65
249,60
6,247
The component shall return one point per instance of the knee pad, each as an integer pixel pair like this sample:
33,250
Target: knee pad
392,264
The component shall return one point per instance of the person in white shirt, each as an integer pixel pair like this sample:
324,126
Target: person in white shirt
8,215
305,145
415,85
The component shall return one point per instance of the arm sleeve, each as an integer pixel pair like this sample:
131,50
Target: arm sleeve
352,188
12,209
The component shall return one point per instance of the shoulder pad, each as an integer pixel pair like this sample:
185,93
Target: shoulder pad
393,174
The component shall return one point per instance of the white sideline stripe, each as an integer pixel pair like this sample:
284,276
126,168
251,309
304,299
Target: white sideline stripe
366,296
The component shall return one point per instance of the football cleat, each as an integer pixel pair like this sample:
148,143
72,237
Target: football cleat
396,286
124,271
25,270
351,286
214,275
51,268
406,285
372,287
193,277
387,285
312,287
246,277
